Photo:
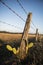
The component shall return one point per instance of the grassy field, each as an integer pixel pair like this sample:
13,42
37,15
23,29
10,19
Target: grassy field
35,54
14,36
10,37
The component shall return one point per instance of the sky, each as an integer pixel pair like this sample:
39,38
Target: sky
7,16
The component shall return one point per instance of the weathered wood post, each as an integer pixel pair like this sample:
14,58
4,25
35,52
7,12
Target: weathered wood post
36,35
25,37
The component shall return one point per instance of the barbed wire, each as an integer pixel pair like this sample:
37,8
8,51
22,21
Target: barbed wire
10,24
13,12
24,10
22,6
13,25
33,28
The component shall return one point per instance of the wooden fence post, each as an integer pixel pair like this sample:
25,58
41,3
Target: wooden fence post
25,36
36,35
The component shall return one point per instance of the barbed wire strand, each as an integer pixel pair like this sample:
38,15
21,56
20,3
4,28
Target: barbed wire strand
12,11
10,24
24,11
22,6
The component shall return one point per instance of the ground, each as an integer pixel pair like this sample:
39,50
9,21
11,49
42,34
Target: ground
34,56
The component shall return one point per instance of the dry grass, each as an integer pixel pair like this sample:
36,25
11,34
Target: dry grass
11,37
35,55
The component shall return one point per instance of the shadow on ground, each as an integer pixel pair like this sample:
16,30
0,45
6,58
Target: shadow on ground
35,54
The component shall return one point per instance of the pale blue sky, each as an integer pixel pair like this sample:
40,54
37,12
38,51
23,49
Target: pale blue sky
34,6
